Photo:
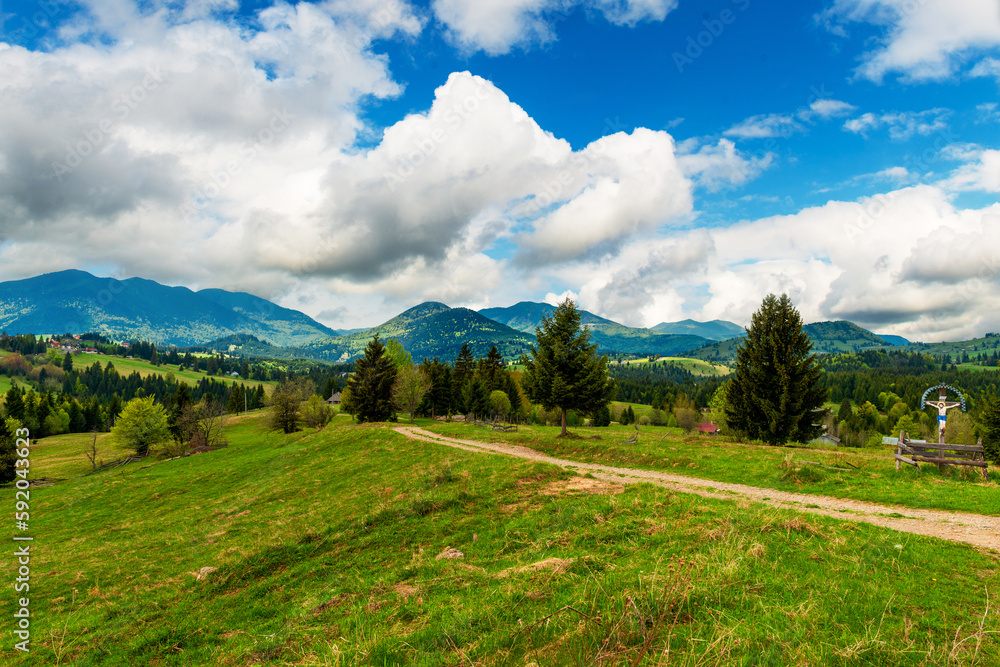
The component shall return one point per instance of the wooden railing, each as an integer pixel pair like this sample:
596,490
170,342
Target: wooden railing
913,452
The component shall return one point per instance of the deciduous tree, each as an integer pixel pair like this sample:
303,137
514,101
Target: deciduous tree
409,388
141,424
775,390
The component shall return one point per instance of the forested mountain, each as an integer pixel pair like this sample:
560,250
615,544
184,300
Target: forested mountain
610,336
138,309
827,338
430,330
716,330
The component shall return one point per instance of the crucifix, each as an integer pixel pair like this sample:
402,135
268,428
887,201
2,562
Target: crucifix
943,405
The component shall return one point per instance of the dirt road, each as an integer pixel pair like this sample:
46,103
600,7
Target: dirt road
977,529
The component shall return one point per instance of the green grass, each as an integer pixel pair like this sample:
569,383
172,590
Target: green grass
326,544
5,384
782,468
126,366
975,367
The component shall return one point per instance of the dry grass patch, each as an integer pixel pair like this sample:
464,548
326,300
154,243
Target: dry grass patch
582,485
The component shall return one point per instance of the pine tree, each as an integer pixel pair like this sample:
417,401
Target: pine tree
14,403
236,401
564,371
602,416
492,369
371,384
989,423
476,397
846,411
775,393
465,366
67,362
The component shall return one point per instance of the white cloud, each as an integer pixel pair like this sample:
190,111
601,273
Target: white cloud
766,125
925,39
906,262
827,108
982,175
786,124
988,112
898,174
720,165
987,67
497,26
902,125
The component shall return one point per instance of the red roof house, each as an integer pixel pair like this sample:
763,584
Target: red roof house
707,427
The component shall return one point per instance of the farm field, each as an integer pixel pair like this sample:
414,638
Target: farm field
322,548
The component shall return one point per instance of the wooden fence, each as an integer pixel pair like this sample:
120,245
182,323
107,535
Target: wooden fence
496,423
913,452
116,464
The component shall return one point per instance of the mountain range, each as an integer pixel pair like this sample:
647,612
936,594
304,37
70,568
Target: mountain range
138,309
240,323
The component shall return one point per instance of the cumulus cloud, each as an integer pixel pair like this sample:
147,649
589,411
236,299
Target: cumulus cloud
859,261
715,166
497,26
924,40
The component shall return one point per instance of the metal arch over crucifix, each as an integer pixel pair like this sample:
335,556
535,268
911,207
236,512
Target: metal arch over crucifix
943,405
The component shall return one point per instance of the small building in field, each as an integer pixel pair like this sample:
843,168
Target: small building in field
827,439
334,398
707,427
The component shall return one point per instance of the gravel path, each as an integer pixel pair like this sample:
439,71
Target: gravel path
976,529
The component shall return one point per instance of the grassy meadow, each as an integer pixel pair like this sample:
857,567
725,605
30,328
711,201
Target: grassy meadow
697,367
322,548
126,366
869,474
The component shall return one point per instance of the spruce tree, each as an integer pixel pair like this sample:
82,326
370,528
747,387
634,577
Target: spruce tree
775,393
989,423
8,454
465,366
564,371
371,384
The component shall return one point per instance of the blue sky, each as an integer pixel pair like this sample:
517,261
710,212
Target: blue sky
654,159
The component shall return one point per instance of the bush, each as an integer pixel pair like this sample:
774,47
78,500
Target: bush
499,403
317,412
874,441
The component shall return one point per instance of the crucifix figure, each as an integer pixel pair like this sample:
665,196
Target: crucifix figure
943,405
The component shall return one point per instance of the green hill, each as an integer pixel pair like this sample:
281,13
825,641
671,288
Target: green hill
326,548
827,338
715,330
430,330
610,336
841,336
